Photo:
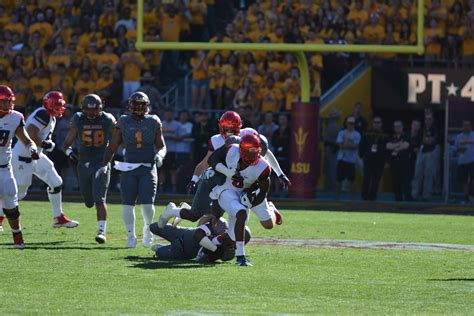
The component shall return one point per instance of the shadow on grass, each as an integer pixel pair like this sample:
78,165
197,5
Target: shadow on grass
154,264
448,280
59,245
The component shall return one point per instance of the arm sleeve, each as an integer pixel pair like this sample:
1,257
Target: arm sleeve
41,119
210,147
273,163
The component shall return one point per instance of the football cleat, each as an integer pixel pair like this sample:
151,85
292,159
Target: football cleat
278,217
178,219
100,238
64,221
167,214
18,241
131,243
147,237
243,262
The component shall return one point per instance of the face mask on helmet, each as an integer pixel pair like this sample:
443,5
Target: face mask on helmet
250,149
230,124
54,102
138,107
92,113
7,100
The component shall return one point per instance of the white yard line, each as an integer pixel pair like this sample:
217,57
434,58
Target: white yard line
359,244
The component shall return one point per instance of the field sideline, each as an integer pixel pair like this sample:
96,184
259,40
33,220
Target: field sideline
316,262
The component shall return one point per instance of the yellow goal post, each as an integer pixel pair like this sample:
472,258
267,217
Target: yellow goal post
299,49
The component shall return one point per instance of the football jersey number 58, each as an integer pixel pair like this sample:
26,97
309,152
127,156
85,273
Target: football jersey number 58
95,138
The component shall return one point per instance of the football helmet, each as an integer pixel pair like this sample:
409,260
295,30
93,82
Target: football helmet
138,103
250,149
230,124
92,106
54,102
7,100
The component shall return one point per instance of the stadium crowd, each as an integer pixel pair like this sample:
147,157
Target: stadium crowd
81,47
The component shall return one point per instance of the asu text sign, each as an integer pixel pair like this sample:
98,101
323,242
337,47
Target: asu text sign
304,144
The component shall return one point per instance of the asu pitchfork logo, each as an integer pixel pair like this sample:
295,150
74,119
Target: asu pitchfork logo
300,139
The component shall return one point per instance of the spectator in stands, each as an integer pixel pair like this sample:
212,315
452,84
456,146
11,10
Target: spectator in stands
198,10
331,130
216,80
268,127
132,63
373,151
245,95
399,150
199,82
464,144
292,88
170,134
232,75
281,143
348,142
203,130
270,97
425,168
147,86
183,150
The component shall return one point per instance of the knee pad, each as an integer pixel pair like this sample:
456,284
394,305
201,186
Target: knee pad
12,214
54,190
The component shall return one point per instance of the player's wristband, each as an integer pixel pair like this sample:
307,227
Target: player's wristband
69,151
195,178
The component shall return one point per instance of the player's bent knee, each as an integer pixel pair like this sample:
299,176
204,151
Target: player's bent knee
268,224
155,229
55,190
12,214
89,204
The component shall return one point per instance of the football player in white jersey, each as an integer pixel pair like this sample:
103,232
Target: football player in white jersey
230,133
11,124
245,188
40,125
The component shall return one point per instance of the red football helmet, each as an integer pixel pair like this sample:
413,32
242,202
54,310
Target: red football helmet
54,102
7,100
250,149
230,124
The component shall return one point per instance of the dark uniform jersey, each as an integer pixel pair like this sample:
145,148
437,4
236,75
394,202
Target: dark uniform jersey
138,137
94,135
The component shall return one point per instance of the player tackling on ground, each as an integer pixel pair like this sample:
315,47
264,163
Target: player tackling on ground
92,128
11,124
40,125
141,136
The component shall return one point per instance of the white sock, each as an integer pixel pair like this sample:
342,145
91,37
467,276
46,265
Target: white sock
239,251
102,225
56,200
207,243
148,211
216,241
176,211
128,214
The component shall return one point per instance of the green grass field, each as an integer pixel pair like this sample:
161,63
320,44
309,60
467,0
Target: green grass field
63,271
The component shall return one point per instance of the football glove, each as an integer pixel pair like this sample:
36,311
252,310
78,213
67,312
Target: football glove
247,198
159,161
101,172
191,187
34,154
209,173
48,145
72,155
284,181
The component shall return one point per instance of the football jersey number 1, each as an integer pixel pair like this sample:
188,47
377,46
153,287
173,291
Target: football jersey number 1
138,136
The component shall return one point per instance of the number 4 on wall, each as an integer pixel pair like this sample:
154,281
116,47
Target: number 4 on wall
468,90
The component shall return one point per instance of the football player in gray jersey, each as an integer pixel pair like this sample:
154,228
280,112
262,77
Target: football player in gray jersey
142,138
93,129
